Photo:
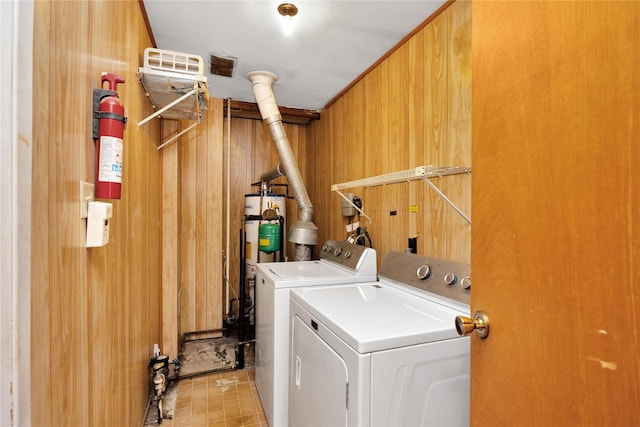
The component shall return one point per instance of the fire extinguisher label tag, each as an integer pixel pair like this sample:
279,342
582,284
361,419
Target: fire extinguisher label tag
110,167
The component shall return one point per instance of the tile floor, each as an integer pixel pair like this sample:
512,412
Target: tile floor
226,399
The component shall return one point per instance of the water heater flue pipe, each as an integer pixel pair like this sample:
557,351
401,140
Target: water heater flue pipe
303,232
272,174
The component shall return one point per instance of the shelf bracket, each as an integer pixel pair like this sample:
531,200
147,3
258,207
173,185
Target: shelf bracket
420,172
174,137
446,199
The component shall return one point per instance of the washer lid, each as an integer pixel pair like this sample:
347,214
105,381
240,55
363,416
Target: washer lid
309,273
375,316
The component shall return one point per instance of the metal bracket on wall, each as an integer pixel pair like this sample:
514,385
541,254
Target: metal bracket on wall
420,172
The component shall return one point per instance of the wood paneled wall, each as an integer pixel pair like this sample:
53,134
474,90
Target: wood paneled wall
200,201
413,109
253,154
95,312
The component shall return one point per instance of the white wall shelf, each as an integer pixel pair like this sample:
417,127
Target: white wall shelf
424,173
176,86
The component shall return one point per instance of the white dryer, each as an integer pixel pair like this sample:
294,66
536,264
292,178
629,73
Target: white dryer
340,263
382,353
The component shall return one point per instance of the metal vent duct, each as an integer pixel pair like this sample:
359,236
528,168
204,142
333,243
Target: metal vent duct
303,232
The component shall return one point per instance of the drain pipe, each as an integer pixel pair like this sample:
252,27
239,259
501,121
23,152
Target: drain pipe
303,232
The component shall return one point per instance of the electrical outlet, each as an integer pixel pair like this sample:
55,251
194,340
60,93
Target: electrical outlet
86,195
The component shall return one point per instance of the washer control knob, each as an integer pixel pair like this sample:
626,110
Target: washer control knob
347,254
337,252
328,248
423,272
450,279
466,282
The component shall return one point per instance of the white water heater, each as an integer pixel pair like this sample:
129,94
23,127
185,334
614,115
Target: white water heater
252,214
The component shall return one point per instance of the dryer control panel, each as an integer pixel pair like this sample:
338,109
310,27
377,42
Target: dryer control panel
445,278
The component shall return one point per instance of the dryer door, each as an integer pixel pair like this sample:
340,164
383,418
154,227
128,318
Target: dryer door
317,381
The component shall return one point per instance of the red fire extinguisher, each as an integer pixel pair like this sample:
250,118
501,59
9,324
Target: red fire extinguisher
108,129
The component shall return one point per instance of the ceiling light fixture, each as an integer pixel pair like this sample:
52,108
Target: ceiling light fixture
288,10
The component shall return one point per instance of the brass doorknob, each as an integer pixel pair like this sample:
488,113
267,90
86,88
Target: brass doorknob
479,323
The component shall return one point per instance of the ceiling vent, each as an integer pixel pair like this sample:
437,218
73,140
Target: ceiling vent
222,65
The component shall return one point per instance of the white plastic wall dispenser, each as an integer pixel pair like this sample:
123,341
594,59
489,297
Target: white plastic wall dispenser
98,216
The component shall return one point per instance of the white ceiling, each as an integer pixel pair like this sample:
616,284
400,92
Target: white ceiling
331,44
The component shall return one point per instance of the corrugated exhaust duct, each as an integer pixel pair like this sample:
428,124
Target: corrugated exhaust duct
303,232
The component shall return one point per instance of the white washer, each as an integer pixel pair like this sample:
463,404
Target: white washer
340,263
382,353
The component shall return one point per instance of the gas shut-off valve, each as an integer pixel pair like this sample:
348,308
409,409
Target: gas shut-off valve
159,365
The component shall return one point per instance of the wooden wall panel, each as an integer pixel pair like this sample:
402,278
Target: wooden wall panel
214,212
68,278
397,211
340,156
93,326
413,109
458,152
355,164
436,133
201,223
170,241
319,178
416,128
376,150
41,271
188,237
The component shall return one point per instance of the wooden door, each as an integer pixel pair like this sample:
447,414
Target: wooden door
556,213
